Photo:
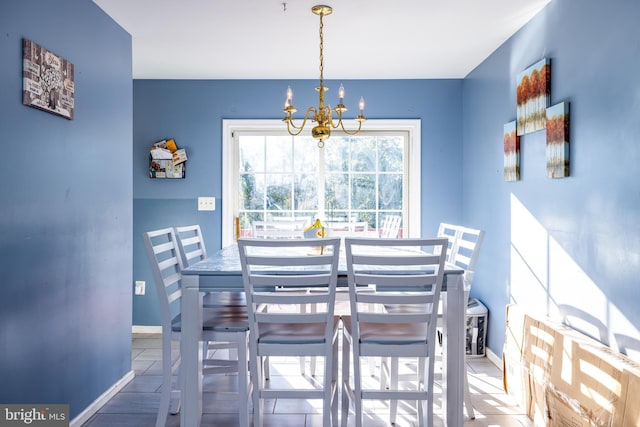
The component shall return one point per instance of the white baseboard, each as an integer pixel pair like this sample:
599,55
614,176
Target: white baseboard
494,358
139,329
95,406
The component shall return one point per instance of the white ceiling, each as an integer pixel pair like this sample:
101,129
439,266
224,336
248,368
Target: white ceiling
279,39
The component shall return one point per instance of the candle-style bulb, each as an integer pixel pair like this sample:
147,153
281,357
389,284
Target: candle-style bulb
361,105
341,93
289,95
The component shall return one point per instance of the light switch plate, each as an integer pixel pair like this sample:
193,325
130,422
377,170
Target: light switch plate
140,287
206,203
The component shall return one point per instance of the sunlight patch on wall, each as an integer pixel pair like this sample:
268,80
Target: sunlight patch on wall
547,281
529,259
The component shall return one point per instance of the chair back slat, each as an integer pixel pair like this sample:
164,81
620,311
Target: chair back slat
303,296
292,280
289,260
190,244
413,281
394,280
291,266
396,318
294,318
464,248
397,298
166,265
402,259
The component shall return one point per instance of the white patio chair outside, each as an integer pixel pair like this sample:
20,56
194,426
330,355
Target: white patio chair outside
278,229
391,227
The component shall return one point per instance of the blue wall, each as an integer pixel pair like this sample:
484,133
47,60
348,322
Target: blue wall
192,113
572,243
66,191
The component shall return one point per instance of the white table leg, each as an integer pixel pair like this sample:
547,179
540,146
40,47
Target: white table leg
191,352
454,349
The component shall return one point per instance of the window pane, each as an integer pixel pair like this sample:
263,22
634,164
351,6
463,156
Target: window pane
363,155
336,154
278,192
390,191
306,192
363,192
368,217
305,155
252,153
391,149
336,189
279,154
251,191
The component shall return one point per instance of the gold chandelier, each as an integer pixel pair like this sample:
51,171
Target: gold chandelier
323,115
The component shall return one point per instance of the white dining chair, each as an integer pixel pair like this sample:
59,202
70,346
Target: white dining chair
192,249
411,279
279,328
220,324
463,251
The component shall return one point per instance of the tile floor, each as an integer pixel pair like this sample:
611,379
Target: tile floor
136,405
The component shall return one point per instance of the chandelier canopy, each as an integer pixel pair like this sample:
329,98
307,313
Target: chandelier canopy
322,115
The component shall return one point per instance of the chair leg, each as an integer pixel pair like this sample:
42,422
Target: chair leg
174,403
243,379
428,381
335,383
327,400
346,351
302,360
393,404
165,396
357,390
467,396
265,367
384,373
312,359
258,383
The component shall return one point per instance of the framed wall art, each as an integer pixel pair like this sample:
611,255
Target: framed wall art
47,80
511,152
533,93
558,140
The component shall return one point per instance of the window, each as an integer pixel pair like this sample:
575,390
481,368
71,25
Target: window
270,175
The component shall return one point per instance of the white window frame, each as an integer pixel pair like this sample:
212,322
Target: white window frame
230,169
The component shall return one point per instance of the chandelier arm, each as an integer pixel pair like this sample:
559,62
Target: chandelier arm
332,123
352,132
311,112
323,115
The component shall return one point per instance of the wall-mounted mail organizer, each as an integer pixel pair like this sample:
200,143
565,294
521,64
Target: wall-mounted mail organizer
166,160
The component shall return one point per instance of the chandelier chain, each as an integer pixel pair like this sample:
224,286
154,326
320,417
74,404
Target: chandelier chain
325,117
321,53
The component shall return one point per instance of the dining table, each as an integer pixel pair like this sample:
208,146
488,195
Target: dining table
222,272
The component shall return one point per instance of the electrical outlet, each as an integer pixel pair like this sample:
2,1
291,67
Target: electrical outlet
206,203
140,287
